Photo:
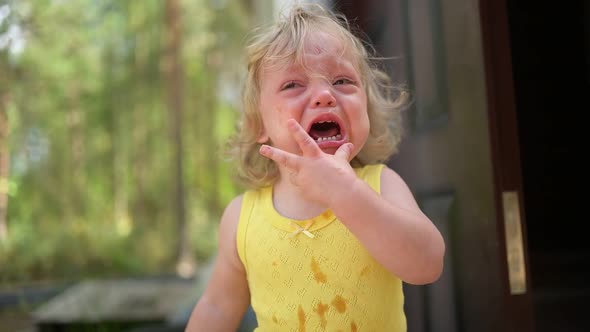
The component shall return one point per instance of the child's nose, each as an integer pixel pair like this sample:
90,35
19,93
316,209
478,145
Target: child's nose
324,98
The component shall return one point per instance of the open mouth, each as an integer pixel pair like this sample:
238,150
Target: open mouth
322,131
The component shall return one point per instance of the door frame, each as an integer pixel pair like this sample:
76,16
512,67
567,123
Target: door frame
505,149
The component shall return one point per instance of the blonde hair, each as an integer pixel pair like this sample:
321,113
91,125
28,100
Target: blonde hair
285,40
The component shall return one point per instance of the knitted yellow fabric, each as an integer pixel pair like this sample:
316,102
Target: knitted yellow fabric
314,275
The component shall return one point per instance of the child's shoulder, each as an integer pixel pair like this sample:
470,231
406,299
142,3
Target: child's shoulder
233,210
231,214
235,205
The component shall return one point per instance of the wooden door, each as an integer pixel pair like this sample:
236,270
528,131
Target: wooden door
506,159
460,156
550,47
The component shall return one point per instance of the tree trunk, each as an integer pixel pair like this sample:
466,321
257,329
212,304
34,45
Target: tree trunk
211,148
76,130
175,86
140,131
119,148
4,166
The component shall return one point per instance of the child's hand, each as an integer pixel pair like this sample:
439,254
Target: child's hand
320,176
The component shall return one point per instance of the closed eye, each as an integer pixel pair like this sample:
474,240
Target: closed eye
342,81
290,85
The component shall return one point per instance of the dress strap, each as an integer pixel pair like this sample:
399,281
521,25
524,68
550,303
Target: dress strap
248,203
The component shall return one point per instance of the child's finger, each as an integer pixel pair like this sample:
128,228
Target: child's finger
284,158
344,151
308,146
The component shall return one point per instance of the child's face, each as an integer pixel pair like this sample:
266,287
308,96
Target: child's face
327,98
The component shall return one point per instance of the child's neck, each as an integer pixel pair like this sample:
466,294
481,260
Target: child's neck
289,202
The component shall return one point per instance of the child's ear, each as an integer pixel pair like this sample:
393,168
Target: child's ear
262,137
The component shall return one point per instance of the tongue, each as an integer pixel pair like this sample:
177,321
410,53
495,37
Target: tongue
323,133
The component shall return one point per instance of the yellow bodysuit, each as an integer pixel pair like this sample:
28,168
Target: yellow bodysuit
314,275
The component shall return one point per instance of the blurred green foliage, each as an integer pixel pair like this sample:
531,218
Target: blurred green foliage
90,184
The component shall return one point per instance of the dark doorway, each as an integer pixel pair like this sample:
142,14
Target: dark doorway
551,64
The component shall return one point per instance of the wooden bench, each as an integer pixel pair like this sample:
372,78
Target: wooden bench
115,305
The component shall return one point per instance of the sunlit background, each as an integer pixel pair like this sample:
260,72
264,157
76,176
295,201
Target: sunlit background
114,114
113,120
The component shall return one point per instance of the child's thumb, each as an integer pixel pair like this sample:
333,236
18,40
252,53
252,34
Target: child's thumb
344,151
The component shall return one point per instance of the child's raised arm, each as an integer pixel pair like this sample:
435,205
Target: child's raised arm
227,296
393,228
391,225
